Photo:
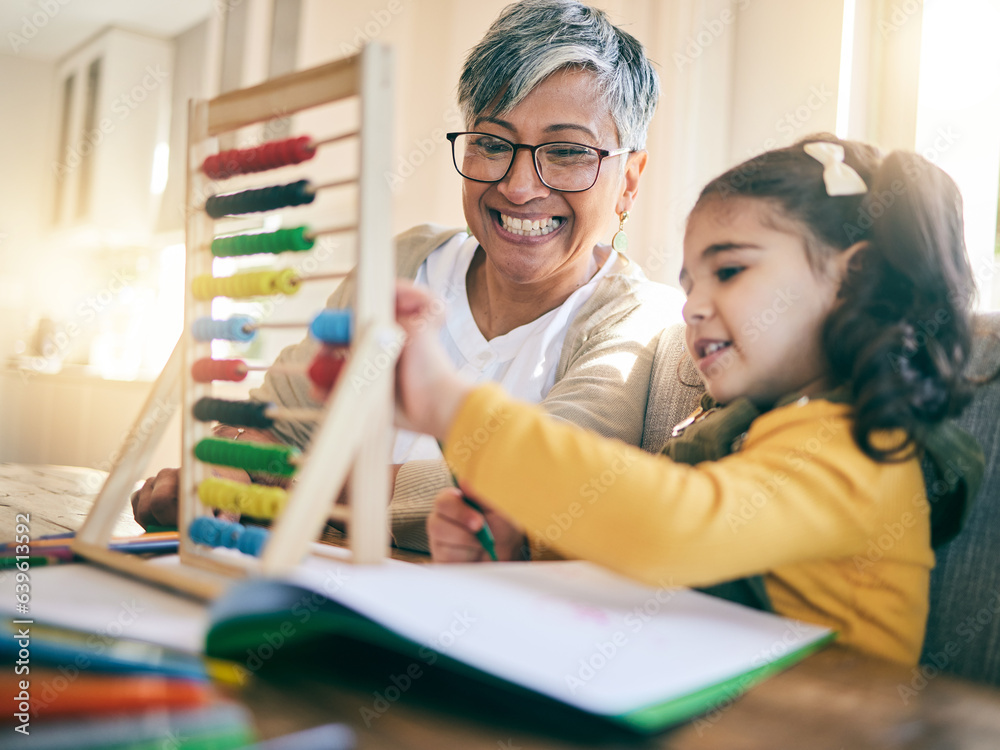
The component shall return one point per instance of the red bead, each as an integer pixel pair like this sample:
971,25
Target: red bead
206,370
301,149
270,155
326,366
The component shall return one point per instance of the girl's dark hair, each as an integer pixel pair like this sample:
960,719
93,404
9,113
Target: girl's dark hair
901,333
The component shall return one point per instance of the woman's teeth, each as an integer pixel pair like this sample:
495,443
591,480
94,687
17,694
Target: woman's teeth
529,228
714,347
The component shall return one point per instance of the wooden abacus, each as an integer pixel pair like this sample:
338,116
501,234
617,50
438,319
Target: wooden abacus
352,430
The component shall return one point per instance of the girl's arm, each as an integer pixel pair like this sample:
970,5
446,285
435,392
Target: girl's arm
798,490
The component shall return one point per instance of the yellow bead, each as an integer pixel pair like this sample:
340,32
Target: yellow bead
237,497
287,281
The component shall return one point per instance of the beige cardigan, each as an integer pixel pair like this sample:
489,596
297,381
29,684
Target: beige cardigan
602,378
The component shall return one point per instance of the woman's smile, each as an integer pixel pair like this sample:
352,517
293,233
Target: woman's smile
528,226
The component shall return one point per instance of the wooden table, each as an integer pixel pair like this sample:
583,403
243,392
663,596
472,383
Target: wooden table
834,700
57,497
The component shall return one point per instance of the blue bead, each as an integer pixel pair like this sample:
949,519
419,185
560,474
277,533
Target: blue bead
213,532
252,541
205,530
332,327
236,328
240,328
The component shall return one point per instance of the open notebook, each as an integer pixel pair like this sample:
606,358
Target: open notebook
642,657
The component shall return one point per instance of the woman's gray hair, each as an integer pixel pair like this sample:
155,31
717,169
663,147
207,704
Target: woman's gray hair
532,39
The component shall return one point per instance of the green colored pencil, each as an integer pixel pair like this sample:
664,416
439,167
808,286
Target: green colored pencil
485,534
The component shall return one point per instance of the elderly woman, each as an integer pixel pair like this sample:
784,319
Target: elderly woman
557,102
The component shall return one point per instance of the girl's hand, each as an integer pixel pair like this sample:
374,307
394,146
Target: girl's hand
452,528
428,388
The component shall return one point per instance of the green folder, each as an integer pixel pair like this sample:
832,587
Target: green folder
531,629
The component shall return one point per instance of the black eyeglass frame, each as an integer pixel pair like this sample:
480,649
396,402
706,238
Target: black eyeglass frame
602,154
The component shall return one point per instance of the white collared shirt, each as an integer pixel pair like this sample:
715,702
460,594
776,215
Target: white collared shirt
523,361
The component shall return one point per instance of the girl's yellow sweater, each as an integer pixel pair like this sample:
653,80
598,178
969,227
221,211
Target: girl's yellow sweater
841,540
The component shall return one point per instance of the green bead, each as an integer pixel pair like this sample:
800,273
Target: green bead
620,241
267,458
299,241
276,242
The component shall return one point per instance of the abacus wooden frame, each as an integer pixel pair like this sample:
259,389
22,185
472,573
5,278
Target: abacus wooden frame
364,394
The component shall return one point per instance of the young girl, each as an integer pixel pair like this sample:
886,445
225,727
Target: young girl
828,292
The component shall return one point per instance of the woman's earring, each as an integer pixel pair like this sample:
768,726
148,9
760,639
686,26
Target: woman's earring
620,241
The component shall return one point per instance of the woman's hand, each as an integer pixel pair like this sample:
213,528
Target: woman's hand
452,528
429,390
155,503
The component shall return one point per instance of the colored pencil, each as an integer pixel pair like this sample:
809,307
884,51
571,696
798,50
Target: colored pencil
485,534
92,694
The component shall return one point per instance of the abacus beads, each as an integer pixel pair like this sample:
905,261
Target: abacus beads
218,533
259,457
260,199
236,328
332,327
324,370
244,285
329,326
241,413
206,370
283,240
267,156
254,500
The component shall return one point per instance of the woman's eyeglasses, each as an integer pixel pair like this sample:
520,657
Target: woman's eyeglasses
567,167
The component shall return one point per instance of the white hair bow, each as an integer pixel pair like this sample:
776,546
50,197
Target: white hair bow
839,178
